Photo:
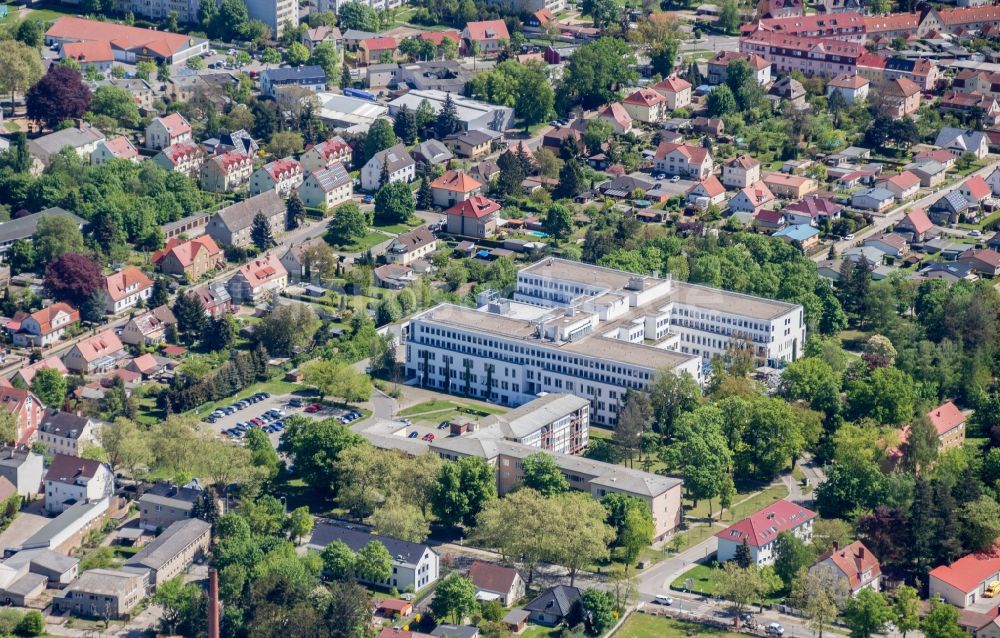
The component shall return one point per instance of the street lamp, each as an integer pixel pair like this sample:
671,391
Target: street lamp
284,503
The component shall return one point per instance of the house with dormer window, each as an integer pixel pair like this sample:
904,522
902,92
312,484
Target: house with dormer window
125,289
760,531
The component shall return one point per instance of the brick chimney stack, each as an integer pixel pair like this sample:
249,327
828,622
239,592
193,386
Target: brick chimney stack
213,603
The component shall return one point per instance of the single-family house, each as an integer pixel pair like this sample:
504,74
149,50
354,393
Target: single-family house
304,264
646,105
164,504
555,605
432,153
960,141
473,217
760,531
790,90
399,165
231,225
126,288
994,181
23,468
684,160
227,172
740,172
713,126
812,210
471,144
44,327
941,155
83,139
395,276
892,244
66,433
183,157
214,298
172,552
983,261
876,199
707,192
903,185
496,582
489,36
416,244
949,423
789,186
149,328
916,223
326,154
102,593
414,565
327,188
27,411
617,116
854,565
676,90
167,130
377,49
975,190
947,208
900,97
115,148
191,258
805,235
70,480
929,172
853,87
28,372
257,278
454,186
98,353
718,67
282,176
765,219
752,198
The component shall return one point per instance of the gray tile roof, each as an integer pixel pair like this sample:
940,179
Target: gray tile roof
170,543
24,227
397,158
557,600
333,177
356,537
240,215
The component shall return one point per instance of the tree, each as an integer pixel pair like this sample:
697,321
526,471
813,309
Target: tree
534,95
405,125
598,608
721,101
285,143
183,606
981,524
355,15
510,181
454,598
297,54
144,68
743,558
348,225
663,57
463,489
791,555
812,379
125,445
920,448
739,585
31,33
59,95
116,103
886,395
401,519
585,535
729,16
191,317
380,137
634,415
374,562
446,122
942,621
49,386
558,221
906,609
394,203
73,277
20,67
32,623
604,12
160,295
702,452
636,533
295,211
338,560
594,74
425,196
819,593
260,232
571,181
543,475
867,614
670,396
287,329
345,76
8,428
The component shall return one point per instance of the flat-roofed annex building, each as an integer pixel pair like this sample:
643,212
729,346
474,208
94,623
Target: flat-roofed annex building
592,331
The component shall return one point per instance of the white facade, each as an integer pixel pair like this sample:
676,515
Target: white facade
80,490
615,331
764,554
371,172
315,195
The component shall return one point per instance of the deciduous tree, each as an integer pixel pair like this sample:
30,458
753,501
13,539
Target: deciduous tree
59,95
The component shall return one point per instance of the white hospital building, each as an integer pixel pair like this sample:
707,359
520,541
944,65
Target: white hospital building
591,331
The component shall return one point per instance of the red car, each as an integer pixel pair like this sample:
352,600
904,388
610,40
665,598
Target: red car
428,437
313,407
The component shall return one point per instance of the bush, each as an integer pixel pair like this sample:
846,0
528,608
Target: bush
33,624
9,620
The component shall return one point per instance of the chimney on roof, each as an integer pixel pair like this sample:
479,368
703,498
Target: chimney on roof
861,552
836,545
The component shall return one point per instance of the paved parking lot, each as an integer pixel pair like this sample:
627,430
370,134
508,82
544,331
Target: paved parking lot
279,402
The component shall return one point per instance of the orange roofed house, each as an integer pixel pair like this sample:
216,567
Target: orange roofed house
453,187
168,130
490,36
855,565
125,289
474,217
98,353
900,97
257,278
42,327
685,160
192,258
26,408
949,422
646,105
962,583
128,44
760,531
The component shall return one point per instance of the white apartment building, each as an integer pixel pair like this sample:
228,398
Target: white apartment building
591,331
275,14
335,5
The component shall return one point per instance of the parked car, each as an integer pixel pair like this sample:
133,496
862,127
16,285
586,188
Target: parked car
413,435
428,437
295,402
663,599
443,424
775,629
313,407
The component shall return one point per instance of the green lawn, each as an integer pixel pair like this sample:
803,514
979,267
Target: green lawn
761,500
399,229
370,240
640,625
440,409
989,219
702,579
45,15
538,631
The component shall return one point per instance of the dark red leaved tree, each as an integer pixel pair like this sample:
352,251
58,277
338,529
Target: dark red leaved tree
59,95
73,278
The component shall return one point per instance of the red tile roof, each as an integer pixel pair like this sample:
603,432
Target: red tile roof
672,84
892,22
487,30
458,181
186,251
712,186
725,58
380,44
231,160
100,345
978,188
771,217
616,112
645,97
918,220
437,37
333,147
815,206
162,43
696,154
904,180
853,561
121,147
764,526
492,577
89,51
946,417
758,193
901,87
476,206
262,270
177,153
283,168
743,161
848,81
46,315
120,285
969,15
175,124
968,572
